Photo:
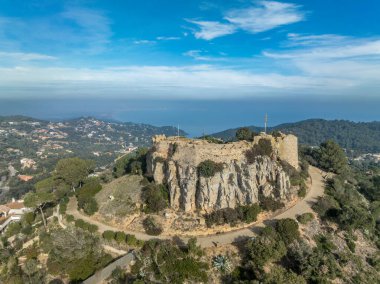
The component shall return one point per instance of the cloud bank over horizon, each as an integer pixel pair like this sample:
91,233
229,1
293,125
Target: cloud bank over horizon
203,50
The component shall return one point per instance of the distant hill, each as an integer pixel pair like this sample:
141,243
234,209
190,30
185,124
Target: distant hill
360,137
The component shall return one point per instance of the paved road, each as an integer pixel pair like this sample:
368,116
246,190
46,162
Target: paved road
303,206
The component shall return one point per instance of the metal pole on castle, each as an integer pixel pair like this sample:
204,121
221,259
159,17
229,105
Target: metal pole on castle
265,123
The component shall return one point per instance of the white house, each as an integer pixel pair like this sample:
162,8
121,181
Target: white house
11,212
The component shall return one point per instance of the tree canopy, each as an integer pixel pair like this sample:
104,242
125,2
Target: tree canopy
332,157
75,252
244,133
73,171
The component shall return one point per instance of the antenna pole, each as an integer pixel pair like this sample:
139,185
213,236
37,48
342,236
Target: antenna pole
265,123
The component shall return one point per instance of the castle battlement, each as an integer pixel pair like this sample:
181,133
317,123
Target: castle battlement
198,150
174,161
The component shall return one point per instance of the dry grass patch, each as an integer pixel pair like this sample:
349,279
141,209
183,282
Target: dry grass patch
121,197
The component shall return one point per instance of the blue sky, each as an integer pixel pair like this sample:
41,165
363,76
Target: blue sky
168,51
189,49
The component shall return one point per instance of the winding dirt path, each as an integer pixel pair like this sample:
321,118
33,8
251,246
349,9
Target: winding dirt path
303,206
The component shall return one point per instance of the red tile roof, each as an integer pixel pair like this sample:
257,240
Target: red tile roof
4,208
25,178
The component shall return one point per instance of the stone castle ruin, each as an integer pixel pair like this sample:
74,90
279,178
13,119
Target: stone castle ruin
174,161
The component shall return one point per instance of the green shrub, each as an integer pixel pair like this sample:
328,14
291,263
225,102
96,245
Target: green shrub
270,204
324,243
133,163
245,133
108,235
332,157
80,223
325,205
262,148
27,229
351,245
90,206
222,216
288,230
151,226
176,265
248,213
156,197
279,275
63,204
92,228
13,229
131,240
374,261
209,168
85,196
120,237
268,246
32,252
211,139
244,213
86,226
302,191
305,218
91,187
276,134
297,178
70,218
28,218
75,253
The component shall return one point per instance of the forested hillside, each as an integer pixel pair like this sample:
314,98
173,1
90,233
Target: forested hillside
361,137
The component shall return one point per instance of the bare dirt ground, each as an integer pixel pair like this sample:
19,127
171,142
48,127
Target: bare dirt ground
316,190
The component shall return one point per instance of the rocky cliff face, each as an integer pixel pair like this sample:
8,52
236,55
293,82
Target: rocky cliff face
174,162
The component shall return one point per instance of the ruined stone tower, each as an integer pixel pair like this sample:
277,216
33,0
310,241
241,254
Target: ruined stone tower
173,161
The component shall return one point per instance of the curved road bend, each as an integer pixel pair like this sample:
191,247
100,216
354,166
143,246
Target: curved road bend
303,206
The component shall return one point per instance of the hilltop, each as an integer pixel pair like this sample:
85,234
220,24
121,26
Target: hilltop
202,175
359,137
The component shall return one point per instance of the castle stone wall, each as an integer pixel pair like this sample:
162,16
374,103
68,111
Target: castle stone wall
174,160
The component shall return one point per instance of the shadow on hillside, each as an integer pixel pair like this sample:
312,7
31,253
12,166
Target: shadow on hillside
179,242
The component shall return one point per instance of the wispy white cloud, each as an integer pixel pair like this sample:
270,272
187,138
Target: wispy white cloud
144,41
295,39
260,17
327,47
20,56
168,38
355,62
265,15
199,55
200,81
210,29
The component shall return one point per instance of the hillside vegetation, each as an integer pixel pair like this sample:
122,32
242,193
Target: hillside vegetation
360,137
338,243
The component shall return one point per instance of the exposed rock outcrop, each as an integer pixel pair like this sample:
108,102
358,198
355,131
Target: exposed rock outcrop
174,162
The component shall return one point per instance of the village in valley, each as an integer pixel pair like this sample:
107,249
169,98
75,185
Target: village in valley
30,147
